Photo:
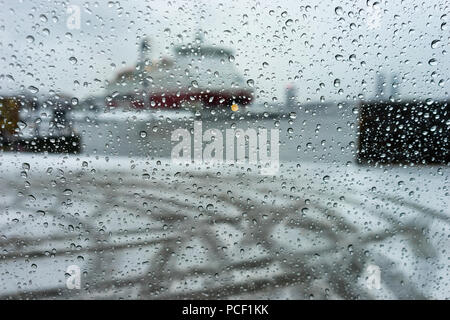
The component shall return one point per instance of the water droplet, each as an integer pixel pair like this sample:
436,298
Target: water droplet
21,124
73,60
350,248
435,43
33,89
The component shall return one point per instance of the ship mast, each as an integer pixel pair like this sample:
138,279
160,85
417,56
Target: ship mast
144,61
145,53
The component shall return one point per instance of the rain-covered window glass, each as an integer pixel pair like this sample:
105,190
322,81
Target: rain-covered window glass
224,149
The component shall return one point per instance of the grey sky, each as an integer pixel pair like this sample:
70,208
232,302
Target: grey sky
308,43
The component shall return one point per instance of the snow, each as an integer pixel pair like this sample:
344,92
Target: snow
142,228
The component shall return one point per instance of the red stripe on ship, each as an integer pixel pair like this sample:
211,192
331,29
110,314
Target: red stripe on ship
174,100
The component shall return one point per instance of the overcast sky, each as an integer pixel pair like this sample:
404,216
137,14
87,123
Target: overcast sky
308,43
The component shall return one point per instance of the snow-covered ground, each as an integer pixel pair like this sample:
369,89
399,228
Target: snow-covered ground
141,228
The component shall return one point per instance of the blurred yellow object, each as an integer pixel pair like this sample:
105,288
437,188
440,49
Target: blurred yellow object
234,107
9,115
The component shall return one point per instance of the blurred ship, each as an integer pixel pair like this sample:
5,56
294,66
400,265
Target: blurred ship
199,75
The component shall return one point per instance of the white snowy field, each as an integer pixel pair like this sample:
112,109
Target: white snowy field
151,229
